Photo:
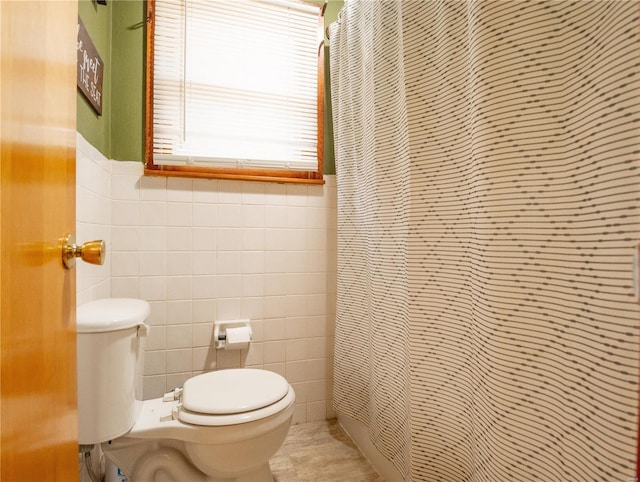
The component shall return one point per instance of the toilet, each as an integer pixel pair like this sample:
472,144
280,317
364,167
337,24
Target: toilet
220,426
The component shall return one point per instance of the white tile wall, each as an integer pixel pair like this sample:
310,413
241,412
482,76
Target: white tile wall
206,250
93,220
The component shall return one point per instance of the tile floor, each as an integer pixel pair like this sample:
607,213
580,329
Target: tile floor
320,452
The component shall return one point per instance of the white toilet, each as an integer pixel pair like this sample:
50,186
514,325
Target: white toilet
221,426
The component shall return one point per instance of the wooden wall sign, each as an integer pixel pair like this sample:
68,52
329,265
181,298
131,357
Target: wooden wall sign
90,69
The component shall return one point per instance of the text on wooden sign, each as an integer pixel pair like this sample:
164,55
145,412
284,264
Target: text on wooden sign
90,69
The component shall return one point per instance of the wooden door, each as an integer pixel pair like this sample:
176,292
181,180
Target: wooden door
38,402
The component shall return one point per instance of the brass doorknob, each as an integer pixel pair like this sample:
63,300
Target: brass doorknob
92,252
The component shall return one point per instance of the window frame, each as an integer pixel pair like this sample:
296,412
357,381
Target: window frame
233,173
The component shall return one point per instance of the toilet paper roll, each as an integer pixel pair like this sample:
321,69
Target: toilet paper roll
238,338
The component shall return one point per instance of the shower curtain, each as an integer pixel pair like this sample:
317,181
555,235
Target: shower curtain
488,171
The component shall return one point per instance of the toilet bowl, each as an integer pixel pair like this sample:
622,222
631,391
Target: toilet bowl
221,425
223,443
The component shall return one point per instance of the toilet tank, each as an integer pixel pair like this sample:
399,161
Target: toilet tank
110,344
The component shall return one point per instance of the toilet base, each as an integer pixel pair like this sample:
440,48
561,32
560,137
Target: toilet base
167,462
159,448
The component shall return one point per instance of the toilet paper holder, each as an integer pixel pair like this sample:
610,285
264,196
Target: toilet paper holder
220,330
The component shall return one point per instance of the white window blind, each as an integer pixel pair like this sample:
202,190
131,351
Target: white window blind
236,83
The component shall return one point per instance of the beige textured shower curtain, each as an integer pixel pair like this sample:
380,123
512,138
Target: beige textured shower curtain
488,168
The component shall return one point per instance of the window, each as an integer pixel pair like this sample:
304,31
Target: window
235,89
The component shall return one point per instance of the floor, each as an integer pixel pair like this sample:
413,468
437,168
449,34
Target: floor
320,452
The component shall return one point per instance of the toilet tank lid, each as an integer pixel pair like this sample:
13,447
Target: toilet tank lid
111,314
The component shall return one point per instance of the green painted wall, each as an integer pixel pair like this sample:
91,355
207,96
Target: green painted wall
332,11
117,30
127,56
94,128
330,15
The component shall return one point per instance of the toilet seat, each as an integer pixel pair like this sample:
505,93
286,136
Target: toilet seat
235,390
233,396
